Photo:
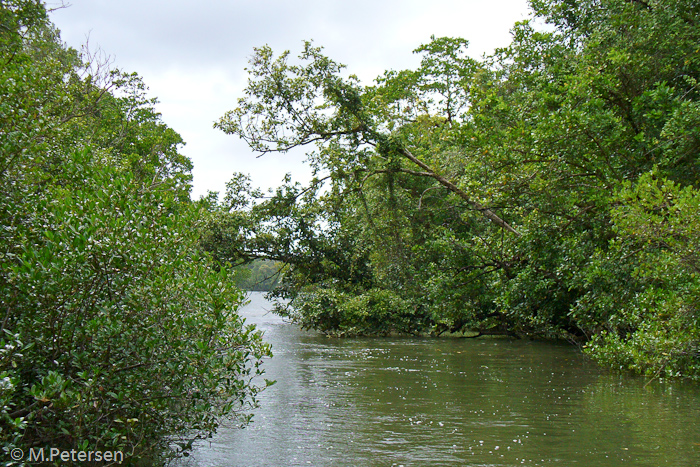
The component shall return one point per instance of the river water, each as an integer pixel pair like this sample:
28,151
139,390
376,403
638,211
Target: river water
451,402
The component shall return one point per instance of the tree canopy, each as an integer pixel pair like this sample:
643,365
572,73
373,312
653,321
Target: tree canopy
548,189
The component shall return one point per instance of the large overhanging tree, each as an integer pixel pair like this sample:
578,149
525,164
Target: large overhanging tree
287,106
371,143
518,193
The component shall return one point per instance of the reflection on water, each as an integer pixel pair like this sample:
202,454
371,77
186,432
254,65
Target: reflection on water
440,402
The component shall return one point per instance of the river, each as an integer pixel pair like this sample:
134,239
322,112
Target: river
451,402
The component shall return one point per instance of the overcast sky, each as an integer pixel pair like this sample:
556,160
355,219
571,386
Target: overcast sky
192,55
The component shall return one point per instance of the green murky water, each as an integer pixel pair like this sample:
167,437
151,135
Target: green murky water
449,402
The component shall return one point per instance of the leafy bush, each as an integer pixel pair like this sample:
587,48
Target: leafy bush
654,327
118,331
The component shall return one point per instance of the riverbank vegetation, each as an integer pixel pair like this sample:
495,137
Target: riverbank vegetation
118,332
550,189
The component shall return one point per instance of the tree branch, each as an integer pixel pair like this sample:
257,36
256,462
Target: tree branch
454,189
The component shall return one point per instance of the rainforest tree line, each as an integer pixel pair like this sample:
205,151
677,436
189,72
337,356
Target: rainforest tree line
119,332
551,189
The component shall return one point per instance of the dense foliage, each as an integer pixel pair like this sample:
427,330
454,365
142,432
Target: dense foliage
118,333
550,189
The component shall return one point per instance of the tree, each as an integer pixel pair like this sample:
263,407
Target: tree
366,140
488,195
284,111
117,331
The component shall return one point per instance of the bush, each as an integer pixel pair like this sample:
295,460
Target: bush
117,331
128,336
654,326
